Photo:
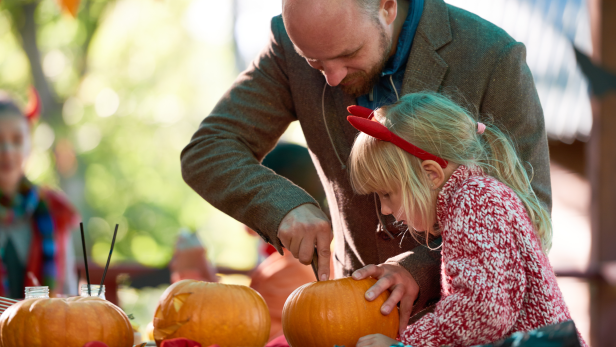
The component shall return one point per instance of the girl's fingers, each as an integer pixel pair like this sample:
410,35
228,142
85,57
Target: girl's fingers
368,271
406,307
396,295
365,341
383,284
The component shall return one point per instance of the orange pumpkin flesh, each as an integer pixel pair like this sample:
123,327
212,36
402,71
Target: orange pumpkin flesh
335,312
212,313
68,322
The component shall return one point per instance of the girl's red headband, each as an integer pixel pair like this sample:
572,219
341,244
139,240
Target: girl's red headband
363,120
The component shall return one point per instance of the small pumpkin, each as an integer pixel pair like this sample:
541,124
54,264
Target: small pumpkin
70,322
212,313
335,312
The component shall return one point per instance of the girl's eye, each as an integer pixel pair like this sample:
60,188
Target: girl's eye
386,195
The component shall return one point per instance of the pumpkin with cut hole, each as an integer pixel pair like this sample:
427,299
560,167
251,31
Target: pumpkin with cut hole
70,322
212,313
335,312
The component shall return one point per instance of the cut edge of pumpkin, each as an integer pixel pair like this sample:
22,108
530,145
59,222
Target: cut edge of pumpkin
179,300
162,333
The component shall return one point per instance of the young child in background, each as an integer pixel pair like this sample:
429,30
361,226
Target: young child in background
439,171
35,223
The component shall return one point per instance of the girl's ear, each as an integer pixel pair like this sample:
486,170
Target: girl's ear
435,173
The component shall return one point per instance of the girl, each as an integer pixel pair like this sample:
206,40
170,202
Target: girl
35,223
442,173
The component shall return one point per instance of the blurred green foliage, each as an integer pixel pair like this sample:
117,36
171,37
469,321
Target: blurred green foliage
133,79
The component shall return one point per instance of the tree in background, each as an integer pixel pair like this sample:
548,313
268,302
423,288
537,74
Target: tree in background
124,84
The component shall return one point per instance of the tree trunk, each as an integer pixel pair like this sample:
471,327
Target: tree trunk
27,29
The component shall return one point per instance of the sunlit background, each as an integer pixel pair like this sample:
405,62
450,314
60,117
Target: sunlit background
132,79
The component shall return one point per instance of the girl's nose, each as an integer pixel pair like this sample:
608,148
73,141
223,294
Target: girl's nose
385,210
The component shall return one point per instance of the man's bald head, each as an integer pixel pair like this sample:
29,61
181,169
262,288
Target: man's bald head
349,41
327,8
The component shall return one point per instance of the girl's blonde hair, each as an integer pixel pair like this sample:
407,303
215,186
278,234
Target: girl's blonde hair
439,126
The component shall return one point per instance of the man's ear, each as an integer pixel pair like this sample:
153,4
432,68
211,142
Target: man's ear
388,10
435,173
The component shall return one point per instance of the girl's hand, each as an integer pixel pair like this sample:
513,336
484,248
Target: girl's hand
404,289
376,340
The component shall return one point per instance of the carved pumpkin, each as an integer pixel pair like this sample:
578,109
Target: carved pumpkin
68,322
335,312
212,313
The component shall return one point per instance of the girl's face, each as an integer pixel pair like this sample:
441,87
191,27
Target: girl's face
14,149
391,203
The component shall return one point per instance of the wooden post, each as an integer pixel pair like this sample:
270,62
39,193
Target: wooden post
601,164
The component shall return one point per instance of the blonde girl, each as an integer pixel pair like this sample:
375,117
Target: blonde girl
441,172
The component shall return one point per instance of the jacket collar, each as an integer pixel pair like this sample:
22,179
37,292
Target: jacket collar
425,68
450,189
434,24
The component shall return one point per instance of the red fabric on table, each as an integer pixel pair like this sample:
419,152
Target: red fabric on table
95,344
181,342
280,341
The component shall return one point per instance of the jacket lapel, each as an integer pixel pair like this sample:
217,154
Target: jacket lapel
425,68
340,103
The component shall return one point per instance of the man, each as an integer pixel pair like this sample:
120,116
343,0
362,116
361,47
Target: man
323,56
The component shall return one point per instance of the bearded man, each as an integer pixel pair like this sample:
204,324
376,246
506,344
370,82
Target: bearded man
323,56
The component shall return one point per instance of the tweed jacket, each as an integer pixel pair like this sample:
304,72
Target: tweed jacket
453,50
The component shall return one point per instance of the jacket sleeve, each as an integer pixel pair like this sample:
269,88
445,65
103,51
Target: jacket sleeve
222,161
511,97
485,278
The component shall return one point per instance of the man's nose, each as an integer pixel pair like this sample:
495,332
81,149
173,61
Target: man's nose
334,73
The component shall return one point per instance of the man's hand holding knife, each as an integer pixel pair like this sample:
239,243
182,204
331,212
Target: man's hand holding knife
306,232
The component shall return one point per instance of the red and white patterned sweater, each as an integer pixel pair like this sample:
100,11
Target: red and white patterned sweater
495,278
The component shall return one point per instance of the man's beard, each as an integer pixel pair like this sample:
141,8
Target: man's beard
365,81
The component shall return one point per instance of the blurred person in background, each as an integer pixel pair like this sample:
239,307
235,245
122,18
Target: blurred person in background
190,261
35,222
279,275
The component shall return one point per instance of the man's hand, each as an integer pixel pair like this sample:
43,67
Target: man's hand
303,228
403,288
376,340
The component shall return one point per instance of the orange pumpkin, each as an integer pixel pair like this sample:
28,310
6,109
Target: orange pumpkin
68,322
335,312
212,313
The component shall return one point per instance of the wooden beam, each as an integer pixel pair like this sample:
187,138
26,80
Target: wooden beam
601,164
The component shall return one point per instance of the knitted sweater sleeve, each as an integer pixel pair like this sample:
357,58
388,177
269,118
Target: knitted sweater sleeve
483,281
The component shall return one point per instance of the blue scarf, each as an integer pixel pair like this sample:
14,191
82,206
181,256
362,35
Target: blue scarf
382,92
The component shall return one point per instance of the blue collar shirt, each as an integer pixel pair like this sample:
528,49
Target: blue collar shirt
382,92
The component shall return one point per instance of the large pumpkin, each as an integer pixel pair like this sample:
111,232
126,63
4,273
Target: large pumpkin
212,313
68,322
335,312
